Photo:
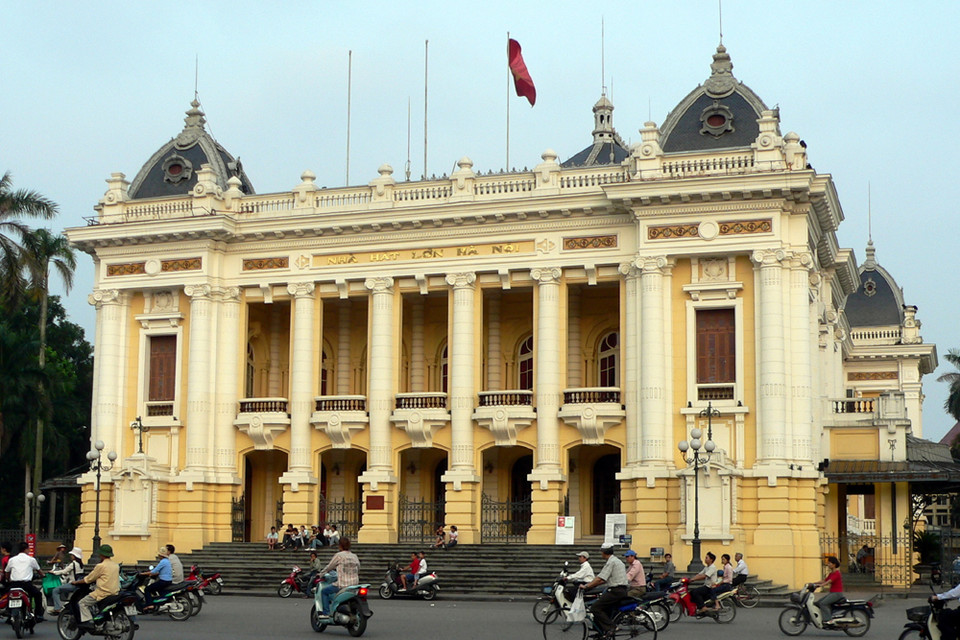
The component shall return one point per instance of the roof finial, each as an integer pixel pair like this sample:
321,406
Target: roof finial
720,12
196,77
871,262
721,82
603,60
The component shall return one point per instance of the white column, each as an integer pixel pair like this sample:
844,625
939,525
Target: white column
380,387
228,368
653,364
547,345
800,342
199,370
574,357
493,342
417,361
108,421
274,378
462,386
771,378
629,349
304,354
343,348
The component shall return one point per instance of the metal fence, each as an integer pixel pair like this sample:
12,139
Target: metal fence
419,519
885,560
506,521
237,524
346,514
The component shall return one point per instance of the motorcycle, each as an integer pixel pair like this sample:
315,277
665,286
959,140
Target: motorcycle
427,587
850,616
212,584
923,622
15,606
174,601
682,604
348,608
112,619
299,582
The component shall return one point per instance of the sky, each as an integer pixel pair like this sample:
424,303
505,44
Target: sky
94,88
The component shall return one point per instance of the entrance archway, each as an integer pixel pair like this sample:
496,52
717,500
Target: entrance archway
262,493
593,490
606,490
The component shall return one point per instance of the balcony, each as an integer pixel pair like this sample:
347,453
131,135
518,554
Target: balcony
505,413
592,410
421,415
339,417
262,419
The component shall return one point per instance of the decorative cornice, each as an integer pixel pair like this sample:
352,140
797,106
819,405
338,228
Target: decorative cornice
590,242
260,264
126,269
872,375
546,275
461,280
379,285
181,264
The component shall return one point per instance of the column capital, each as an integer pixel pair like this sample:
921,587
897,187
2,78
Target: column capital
546,275
301,289
229,294
198,291
461,280
651,264
767,257
629,269
106,296
379,285
801,260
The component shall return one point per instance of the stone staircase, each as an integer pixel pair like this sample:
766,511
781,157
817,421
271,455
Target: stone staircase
491,570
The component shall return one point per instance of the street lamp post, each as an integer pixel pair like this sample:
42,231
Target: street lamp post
95,456
33,510
141,429
694,446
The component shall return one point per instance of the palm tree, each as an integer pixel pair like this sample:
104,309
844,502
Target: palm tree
42,251
14,205
952,404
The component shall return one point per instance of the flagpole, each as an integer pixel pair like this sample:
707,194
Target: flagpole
349,87
407,166
426,57
507,167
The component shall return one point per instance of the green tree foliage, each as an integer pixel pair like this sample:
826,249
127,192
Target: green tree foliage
14,205
67,381
952,378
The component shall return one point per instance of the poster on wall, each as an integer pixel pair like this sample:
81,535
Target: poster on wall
565,528
614,527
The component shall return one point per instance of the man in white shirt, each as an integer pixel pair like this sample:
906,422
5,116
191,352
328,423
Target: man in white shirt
949,619
585,572
740,572
20,570
421,570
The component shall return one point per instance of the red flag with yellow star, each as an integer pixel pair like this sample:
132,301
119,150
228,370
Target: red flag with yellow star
521,77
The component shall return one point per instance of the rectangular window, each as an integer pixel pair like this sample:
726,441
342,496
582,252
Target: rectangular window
163,375
716,346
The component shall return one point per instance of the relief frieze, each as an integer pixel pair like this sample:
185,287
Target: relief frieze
424,254
126,269
590,242
872,375
726,228
261,264
182,264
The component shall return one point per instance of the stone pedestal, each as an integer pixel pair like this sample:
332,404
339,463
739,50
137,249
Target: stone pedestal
463,510
547,504
379,513
300,506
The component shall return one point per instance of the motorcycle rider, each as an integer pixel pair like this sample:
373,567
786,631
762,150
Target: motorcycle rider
107,576
163,572
413,567
347,565
176,567
835,581
949,619
636,578
421,569
708,575
740,572
614,575
20,570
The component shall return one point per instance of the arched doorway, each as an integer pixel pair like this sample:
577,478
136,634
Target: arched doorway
262,493
606,490
421,505
519,485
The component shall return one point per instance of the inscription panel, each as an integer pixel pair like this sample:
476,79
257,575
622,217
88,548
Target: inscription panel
424,254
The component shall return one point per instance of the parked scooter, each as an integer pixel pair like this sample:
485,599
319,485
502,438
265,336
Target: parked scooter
850,616
212,584
348,608
15,606
112,621
298,582
427,587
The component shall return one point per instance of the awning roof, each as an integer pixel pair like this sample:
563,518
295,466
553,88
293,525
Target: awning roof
927,462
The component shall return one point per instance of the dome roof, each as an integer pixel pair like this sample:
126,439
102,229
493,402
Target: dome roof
878,301
607,147
721,113
172,170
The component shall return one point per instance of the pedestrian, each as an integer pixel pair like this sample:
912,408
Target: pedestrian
441,538
272,539
452,539
334,536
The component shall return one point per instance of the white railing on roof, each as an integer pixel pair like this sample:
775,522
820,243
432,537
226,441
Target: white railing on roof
589,179
708,165
266,204
892,334
343,198
504,186
416,192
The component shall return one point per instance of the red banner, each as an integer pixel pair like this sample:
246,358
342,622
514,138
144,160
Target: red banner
521,77
31,544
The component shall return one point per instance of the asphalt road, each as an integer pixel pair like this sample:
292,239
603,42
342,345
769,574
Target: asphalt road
238,617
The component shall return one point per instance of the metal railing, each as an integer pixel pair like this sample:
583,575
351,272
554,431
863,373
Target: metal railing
346,514
419,519
506,521
885,560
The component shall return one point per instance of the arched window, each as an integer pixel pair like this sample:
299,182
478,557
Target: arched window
608,360
444,369
251,371
525,364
